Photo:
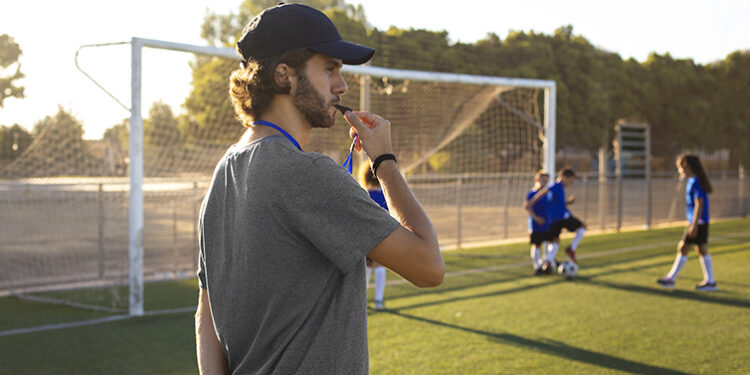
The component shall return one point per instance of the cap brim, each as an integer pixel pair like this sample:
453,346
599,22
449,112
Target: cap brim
349,53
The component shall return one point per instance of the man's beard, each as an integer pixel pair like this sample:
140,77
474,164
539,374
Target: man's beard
312,105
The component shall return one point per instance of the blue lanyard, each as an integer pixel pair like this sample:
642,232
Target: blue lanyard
282,131
349,159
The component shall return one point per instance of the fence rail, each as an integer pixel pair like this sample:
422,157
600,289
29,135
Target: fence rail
57,231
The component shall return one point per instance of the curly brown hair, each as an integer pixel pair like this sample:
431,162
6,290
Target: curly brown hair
253,87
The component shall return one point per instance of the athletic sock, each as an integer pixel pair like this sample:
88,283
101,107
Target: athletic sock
577,240
679,261
368,271
379,283
708,268
535,256
552,251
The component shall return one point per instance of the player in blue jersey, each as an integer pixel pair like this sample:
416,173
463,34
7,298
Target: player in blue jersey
538,223
697,189
369,182
559,215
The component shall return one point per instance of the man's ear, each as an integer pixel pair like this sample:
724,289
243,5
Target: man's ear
283,75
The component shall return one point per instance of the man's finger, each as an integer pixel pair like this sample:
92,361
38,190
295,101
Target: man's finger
354,120
368,118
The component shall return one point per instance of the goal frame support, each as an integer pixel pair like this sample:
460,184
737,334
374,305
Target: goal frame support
135,209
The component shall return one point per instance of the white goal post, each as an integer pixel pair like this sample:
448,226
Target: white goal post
136,137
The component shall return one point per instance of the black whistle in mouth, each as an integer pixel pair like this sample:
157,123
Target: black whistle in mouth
342,108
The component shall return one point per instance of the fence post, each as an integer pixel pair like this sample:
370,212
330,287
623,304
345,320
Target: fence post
365,83
196,218
585,195
100,224
175,237
459,182
741,190
648,178
619,200
602,186
507,204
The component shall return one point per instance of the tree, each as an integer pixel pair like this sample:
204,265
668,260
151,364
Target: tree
58,149
117,140
160,128
678,106
732,114
13,141
161,139
210,119
118,135
689,106
9,54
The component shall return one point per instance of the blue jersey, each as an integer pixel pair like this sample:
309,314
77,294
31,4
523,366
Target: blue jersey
378,196
693,191
540,209
558,210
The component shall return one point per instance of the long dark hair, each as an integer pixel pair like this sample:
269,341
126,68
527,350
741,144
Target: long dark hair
694,163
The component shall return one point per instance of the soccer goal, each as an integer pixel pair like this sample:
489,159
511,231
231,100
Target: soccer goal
469,146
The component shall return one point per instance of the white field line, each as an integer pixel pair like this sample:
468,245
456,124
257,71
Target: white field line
107,319
393,282
55,301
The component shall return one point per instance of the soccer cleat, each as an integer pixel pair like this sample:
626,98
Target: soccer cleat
379,305
546,268
706,287
571,254
538,272
666,282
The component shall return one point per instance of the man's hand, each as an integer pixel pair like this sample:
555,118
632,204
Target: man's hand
571,199
374,133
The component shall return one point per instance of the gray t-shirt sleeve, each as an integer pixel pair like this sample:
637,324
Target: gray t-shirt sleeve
335,214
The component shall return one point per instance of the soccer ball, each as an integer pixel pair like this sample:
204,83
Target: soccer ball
567,269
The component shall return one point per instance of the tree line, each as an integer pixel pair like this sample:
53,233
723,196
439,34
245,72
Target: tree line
689,106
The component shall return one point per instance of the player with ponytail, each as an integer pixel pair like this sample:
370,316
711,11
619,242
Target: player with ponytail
697,189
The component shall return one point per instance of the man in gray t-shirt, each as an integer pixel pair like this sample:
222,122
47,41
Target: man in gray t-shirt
284,233
292,230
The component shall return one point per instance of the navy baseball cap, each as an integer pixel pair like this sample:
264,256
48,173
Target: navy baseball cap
290,26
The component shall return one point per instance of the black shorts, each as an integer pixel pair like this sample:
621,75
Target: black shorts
536,238
700,239
571,224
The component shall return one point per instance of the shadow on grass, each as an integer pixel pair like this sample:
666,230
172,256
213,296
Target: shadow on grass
589,279
665,264
691,295
458,283
507,275
682,294
481,295
512,256
555,348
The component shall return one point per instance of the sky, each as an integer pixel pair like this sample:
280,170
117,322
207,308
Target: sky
49,33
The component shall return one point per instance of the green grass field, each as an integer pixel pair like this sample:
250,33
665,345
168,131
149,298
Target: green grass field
490,316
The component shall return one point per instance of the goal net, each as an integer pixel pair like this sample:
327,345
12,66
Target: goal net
96,223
